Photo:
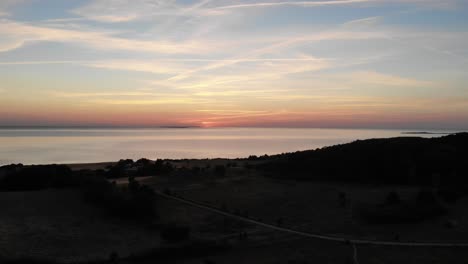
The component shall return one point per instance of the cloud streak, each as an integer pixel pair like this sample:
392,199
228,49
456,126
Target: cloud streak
21,33
119,11
294,3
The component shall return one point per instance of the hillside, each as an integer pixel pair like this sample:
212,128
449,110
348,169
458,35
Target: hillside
402,160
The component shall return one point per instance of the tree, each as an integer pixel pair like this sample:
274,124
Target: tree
392,198
220,171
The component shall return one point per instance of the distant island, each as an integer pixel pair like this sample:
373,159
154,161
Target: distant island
426,133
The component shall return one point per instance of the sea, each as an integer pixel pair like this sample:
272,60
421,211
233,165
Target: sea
89,145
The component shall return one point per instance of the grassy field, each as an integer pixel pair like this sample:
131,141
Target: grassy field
313,206
56,224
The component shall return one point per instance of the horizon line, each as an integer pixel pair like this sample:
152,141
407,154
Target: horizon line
418,130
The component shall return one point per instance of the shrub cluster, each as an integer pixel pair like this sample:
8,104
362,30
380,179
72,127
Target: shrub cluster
135,201
131,201
395,211
29,178
142,167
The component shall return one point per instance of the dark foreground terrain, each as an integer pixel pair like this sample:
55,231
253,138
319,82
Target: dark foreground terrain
399,200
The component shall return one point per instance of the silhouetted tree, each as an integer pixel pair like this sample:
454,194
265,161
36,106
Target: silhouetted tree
392,198
220,171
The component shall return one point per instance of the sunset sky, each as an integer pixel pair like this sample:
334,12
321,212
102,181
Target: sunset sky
268,63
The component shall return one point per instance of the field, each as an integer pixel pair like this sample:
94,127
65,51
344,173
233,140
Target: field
311,207
56,224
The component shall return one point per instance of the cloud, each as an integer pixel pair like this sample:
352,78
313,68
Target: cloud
282,44
380,79
294,3
424,3
123,10
20,33
97,94
363,22
262,67
130,98
117,11
249,72
6,63
157,67
433,4
7,44
6,5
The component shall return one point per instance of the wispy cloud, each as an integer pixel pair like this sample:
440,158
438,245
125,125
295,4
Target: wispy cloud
294,3
281,45
379,79
363,22
44,62
62,94
157,67
18,34
123,10
163,101
6,5
117,11
259,4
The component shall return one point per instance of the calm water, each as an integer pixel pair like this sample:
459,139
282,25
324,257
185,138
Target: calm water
39,146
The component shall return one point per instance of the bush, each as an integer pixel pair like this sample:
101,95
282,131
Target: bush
120,169
28,261
29,178
220,171
134,202
174,233
426,197
161,167
394,211
449,195
392,198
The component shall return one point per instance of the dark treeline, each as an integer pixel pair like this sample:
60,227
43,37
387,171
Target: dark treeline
406,160
132,201
142,167
16,177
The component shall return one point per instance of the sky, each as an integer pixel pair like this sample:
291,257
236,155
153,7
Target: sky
220,63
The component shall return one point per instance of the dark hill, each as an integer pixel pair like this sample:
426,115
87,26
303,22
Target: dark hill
402,160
